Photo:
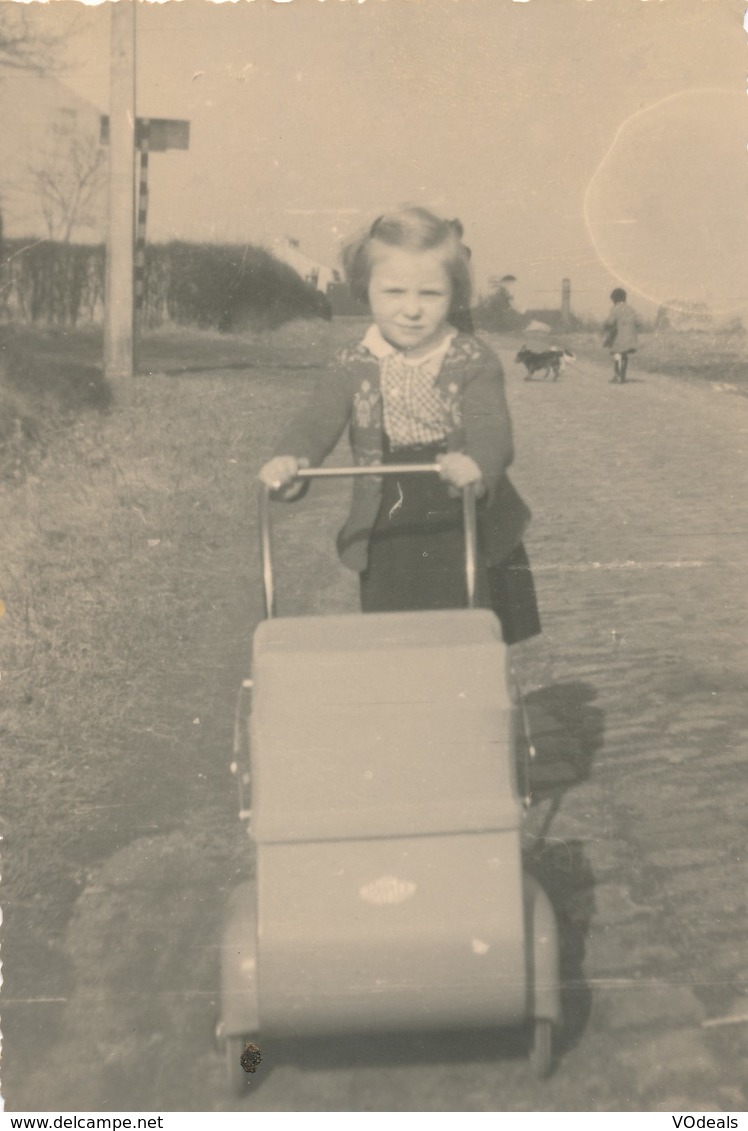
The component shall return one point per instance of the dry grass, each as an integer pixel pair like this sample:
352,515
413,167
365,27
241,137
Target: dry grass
130,584
696,356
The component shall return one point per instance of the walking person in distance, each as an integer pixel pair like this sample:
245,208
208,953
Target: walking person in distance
621,336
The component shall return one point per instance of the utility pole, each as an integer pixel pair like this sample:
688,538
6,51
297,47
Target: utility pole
566,304
118,316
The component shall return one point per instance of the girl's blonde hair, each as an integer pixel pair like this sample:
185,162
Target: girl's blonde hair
415,229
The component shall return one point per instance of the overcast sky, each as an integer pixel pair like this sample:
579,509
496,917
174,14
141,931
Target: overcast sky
604,141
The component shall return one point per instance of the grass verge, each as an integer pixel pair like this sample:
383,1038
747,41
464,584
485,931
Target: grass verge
694,356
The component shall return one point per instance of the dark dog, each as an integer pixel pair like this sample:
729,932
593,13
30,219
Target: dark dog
552,361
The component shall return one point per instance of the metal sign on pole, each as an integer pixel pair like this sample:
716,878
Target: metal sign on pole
164,133
118,315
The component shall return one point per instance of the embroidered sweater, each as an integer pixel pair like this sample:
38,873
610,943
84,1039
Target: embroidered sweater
415,412
470,384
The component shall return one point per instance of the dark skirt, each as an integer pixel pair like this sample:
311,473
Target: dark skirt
417,555
512,596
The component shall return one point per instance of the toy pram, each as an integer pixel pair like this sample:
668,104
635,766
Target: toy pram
389,891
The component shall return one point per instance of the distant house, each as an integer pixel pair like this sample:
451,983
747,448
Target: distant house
677,314
326,279
52,167
690,317
318,275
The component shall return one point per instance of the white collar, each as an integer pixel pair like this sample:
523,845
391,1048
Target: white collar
377,345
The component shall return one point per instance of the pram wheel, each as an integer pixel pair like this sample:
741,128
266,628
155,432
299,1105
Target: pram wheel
541,1050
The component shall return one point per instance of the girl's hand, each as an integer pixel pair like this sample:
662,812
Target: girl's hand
460,470
280,471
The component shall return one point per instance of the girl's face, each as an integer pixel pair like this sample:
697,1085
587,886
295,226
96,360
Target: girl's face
410,295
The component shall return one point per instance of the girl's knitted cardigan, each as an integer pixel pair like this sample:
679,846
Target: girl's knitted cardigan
471,384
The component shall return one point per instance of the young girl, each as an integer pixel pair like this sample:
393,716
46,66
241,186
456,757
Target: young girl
415,389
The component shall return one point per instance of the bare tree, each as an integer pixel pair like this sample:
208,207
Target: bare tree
26,41
68,178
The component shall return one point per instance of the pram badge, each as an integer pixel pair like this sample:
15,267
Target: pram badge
387,889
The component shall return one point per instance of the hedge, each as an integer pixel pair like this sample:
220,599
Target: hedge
226,287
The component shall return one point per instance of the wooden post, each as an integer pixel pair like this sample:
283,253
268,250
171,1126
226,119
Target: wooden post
566,304
118,316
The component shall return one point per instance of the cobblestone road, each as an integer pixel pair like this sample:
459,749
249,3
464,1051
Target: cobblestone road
640,500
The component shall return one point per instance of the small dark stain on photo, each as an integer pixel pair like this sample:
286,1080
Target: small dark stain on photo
251,1058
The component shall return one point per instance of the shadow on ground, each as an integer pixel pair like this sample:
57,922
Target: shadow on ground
46,369
566,731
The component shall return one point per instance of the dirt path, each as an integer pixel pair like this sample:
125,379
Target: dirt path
638,691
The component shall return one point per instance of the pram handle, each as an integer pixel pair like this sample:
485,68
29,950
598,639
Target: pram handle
468,517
